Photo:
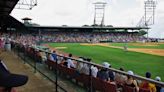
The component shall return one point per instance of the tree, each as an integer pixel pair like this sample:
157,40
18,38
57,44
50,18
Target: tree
142,32
95,25
85,25
109,25
125,31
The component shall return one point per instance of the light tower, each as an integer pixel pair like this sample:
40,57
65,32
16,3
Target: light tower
148,18
149,15
99,14
26,4
150,6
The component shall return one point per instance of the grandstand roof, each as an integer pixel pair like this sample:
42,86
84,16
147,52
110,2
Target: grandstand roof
6,6
26,18
88,27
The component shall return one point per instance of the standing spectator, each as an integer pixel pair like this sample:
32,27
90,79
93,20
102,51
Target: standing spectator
8,80
125,47
148,85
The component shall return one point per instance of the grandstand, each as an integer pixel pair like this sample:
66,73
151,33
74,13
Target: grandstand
60,70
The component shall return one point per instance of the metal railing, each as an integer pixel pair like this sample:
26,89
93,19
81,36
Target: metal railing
34,64
90,87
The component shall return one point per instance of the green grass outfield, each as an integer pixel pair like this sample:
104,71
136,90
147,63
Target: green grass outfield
137,62
132,45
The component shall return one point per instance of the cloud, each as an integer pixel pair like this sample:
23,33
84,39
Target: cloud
158,28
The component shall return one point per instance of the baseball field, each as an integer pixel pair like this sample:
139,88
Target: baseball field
139,57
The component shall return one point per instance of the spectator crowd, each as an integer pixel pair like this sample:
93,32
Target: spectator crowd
83,37
107,75
83,68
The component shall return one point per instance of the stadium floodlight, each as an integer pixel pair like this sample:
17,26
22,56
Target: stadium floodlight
99,13
149,13
26,4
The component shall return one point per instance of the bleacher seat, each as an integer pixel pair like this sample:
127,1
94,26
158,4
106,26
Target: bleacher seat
108,87
143,90
128,89
98,84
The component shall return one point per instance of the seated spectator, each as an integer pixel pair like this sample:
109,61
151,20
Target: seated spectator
111,74
54,56
70,63
120,78
43,56
79,64
50,57
131,82
85,68
159,89
103,73
94,71
60,58
8,80
64,61
147,85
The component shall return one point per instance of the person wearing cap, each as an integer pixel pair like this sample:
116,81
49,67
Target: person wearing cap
131,82
159,89
148,85
104,73
111,74
9,80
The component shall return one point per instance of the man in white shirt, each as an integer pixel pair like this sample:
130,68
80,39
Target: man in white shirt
94,71
85,68
79,64
70,63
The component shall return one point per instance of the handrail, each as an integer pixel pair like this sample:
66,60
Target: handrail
55,82
159,83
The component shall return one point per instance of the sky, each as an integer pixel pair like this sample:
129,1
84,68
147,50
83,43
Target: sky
81,12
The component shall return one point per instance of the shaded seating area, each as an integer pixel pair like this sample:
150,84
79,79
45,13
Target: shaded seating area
97,84
128,89
143,90
87,81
